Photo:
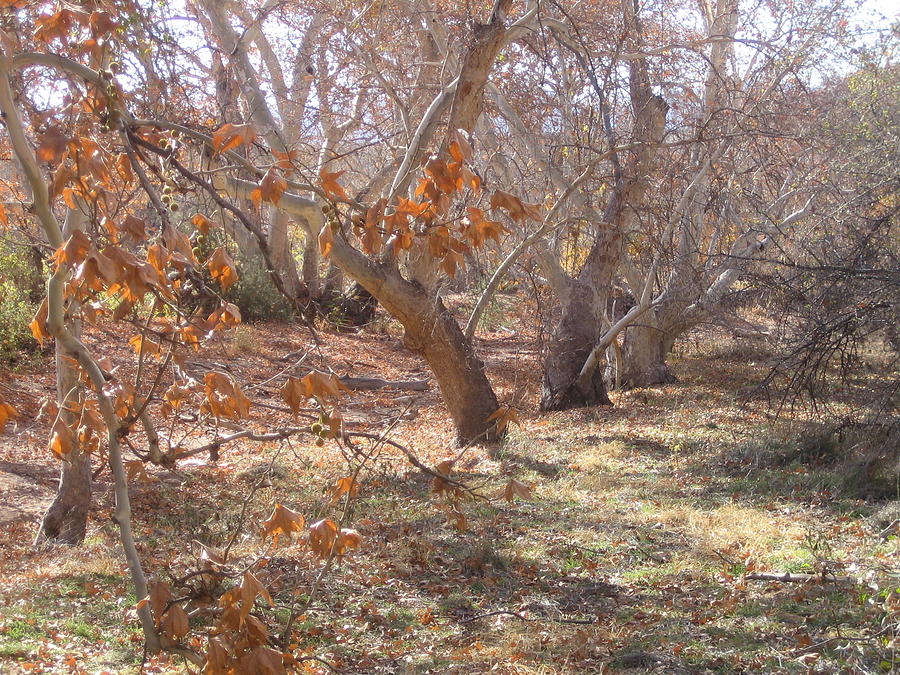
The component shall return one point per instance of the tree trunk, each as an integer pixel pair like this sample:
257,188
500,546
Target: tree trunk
431,330
644,353
65,522
280,245
435,334
574,339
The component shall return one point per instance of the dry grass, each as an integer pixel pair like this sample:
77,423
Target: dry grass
630,558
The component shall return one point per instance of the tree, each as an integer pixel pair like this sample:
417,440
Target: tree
684,138
430,329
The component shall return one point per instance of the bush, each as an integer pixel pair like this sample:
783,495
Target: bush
255,294
16,310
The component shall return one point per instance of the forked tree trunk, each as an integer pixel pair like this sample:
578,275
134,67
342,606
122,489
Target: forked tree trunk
575,336
578,331
581,323
65,521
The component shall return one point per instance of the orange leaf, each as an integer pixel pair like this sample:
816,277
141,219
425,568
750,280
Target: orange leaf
224,397
175,622
7,412
326,240
230,136
145,345
52,146
250,589
222,268
330,185
443,469
346,485
159,597
294,394
272,186
504,416
347,539
283,521
322,385
516,489
226,315
322,535
135,228
176,240
38,324
74,250
262,660
515,207
202,223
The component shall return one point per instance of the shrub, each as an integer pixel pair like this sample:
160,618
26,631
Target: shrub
255,294
16,310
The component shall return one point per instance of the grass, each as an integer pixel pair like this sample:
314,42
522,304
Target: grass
632,556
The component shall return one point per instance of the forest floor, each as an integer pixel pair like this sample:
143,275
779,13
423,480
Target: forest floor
636,552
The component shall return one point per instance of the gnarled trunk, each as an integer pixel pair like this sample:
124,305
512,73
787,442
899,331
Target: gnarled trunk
433,332
65,522
644,353
574,338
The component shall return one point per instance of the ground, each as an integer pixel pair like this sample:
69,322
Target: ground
635,552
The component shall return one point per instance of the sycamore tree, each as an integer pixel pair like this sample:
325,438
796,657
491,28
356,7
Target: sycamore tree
371,161
675,136
108,177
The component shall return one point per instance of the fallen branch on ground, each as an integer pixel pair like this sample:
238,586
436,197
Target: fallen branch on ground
801,578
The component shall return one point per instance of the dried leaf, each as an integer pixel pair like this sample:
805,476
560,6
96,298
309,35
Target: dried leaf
73,251
224,397
145,345
272,186
283,521
322,535
52,145
326,240
160,596
7,412
332,188
226,314
294,394
230,136
515,207
262,661
175,622
343,486
217,657
222,268
322,385
443,469
135,471
135,228
503,417
251,587
516,489
202,223
61,439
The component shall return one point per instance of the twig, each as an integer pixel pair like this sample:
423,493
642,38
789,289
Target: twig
507,612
